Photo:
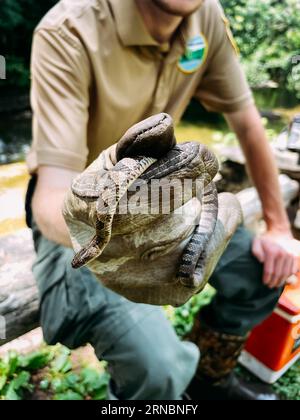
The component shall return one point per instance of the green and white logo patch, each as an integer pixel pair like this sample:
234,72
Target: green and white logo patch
195,54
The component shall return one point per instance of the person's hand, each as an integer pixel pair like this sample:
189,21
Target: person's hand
272,249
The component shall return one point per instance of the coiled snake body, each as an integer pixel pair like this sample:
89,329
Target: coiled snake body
165,255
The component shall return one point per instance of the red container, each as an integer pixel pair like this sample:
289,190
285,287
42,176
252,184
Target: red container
274,346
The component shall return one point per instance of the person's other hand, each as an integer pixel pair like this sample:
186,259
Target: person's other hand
272,249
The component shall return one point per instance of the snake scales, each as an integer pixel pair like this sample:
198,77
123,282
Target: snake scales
181,250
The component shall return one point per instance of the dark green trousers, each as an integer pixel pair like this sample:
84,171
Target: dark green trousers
146,359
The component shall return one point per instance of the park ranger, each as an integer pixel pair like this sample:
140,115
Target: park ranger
98,67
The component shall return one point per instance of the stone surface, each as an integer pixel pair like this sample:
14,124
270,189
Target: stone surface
26,343
18,292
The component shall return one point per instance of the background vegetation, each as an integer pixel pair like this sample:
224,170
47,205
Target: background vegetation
18,18
267,33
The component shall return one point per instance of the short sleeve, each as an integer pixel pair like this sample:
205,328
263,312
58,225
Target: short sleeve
224,87
59,99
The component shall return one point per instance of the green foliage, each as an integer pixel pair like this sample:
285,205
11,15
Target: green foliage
289,385
267,33
66,384
182,318
15,373
59,380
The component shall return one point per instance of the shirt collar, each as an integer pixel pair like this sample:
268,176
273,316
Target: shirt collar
130,25
133,31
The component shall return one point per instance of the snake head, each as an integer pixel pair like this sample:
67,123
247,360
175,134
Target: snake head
152,137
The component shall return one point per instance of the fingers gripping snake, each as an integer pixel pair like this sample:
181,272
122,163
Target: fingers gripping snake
148,151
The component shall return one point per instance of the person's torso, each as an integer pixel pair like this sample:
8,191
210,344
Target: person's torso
132,79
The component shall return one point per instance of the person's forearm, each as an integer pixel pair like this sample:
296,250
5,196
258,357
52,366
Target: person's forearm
52,186
279,264
264,173
263,170
48,216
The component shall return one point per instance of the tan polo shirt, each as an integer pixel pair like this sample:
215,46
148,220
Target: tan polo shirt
96,71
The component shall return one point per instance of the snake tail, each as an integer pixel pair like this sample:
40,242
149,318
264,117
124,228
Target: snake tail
193,258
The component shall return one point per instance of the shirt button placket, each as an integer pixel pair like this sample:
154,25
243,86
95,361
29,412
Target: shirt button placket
162,91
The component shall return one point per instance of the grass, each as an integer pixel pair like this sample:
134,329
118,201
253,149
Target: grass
289,385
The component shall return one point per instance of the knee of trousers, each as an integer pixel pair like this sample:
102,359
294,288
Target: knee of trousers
242,311
70,308
159,376
150,362
238,277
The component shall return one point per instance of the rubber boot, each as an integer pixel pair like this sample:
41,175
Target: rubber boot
215,378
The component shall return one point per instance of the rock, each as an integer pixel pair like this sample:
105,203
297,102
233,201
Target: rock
251,204
18,291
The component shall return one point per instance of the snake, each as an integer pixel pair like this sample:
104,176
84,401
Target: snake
148,151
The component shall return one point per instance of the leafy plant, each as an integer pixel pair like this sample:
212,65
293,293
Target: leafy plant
267,33
65,383
182,318
15,373
57,377
289,385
